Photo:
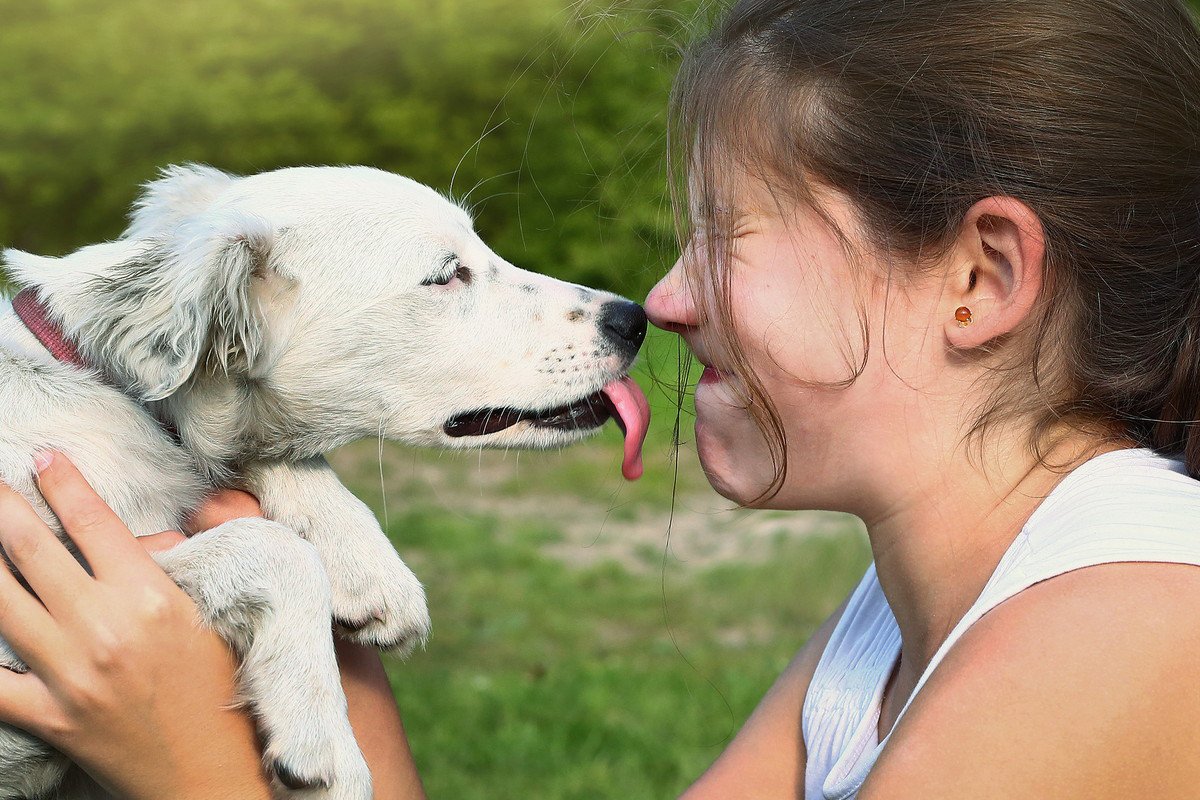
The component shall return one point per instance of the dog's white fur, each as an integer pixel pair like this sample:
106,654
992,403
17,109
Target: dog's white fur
269,319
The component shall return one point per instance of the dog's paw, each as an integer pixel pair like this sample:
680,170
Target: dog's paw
311,766
380,604
376,598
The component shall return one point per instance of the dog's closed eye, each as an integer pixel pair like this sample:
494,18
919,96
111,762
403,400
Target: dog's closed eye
452,268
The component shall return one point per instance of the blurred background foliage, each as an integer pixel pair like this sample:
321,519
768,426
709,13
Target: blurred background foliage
547,117
592,638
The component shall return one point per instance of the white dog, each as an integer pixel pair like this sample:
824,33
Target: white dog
240,328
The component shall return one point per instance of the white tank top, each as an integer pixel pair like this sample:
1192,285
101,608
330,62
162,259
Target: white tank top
1126,505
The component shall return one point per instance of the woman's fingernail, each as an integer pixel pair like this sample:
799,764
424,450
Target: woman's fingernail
42,459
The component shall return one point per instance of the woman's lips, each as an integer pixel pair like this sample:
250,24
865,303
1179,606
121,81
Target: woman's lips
710,375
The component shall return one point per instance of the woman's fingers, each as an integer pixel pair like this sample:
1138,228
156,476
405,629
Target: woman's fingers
24,622
27,703
99,534
45,564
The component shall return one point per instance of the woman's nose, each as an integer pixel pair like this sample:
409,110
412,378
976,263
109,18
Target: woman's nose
670,305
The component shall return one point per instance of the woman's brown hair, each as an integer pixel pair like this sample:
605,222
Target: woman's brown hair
1088,111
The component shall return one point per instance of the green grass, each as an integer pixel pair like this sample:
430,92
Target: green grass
552,681
573,655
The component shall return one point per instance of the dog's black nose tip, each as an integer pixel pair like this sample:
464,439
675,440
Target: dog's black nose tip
624,323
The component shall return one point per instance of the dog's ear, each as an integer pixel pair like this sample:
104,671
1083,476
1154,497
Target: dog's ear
186,296
179,192
149,310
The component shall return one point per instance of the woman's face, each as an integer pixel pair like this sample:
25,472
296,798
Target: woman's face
798,306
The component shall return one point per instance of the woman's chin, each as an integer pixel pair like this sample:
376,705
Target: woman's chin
730,476
737,492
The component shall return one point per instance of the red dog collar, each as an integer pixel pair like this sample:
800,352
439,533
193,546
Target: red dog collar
36,317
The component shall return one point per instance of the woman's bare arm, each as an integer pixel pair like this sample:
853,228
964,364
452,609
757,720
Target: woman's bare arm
377,725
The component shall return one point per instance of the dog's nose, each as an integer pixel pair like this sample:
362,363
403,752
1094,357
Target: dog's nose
624,323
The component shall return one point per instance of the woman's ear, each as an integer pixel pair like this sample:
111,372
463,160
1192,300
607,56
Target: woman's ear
996,273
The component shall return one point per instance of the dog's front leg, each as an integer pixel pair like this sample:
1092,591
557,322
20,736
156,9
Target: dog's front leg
377,599
263,589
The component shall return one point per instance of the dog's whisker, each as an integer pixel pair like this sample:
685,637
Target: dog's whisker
472,208
474,146
492,196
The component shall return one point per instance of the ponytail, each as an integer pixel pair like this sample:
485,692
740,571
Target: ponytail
1177,427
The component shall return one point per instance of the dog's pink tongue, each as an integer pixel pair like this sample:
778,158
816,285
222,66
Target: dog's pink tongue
633,409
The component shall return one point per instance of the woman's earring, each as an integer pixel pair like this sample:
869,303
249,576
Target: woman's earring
963,315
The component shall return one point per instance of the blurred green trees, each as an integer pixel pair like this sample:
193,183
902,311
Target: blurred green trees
547,115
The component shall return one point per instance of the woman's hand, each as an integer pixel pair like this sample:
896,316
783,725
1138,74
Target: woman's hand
122,678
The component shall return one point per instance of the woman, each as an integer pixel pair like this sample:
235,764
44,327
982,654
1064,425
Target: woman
945,275
942,266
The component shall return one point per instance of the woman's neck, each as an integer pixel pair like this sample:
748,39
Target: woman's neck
938,545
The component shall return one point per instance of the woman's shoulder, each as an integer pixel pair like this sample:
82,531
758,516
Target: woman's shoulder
1084,644
1041,695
